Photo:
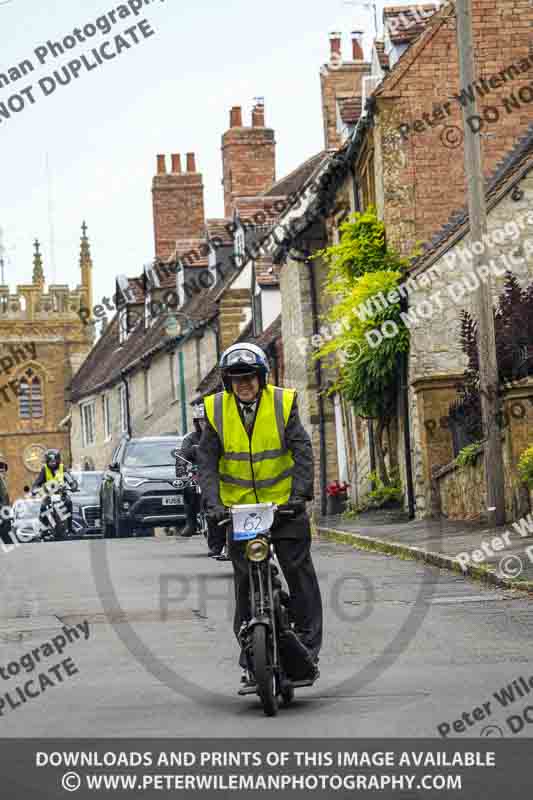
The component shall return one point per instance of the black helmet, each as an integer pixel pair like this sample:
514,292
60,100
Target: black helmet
243,359
52,458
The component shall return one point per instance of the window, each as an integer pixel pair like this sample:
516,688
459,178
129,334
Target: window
87,424
147,392
106,407
240,245
123,408
30,396
180,284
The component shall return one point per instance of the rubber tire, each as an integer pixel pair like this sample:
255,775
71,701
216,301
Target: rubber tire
287,696
264,676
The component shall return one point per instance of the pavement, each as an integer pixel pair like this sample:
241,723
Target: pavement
408,647
500,556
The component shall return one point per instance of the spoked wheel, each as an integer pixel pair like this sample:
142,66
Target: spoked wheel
264,674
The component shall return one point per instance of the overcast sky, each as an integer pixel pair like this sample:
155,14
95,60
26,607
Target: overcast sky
170,93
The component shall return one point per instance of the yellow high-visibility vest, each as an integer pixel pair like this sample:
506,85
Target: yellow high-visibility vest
59,477
256,470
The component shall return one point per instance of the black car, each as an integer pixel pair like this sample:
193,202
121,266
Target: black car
86,504
139,491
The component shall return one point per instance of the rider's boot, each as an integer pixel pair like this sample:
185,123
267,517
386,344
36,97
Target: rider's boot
190,528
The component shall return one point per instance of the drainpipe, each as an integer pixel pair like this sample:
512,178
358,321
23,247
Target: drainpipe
318,374
404,412
369,425
128,413
321,414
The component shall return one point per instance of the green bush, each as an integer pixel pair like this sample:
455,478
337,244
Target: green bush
381,496
468,455
525,467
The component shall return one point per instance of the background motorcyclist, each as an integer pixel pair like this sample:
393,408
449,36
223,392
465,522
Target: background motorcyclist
189,450
5,522
54,470
243,462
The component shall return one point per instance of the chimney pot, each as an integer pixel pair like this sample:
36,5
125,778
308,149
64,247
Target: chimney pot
335,41
235,117
357,45
161,166
258,115
191,162
176,162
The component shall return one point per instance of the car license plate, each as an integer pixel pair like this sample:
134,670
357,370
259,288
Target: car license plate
173,500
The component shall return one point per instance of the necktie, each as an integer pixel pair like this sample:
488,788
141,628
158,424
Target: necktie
248,414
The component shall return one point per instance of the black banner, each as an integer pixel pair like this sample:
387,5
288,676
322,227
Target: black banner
407,769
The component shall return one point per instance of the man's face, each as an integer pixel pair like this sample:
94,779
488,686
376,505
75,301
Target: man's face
246,387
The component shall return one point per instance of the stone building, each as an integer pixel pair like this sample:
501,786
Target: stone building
403,157
42,345
208,285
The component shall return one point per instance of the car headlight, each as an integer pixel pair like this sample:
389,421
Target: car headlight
257,550
132,483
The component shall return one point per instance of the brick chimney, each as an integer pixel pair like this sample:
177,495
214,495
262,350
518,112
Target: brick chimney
178,204
248,157
340,79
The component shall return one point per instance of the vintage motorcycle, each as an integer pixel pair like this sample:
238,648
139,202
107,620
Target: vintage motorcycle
277,659
53,522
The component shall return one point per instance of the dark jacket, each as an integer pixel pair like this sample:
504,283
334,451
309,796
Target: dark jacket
40,480
4,494
189,446
298,443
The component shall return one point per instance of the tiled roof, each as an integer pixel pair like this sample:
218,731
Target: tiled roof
383,58
405,23
350,109
296,179
515,162
258,209
212,383
218,228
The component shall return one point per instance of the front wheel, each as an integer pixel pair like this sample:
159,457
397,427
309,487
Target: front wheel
264,673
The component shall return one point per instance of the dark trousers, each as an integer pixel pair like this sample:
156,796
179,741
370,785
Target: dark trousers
292,541
191,501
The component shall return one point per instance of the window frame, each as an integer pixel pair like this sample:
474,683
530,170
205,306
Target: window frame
106,409
86,406
123,411
29,381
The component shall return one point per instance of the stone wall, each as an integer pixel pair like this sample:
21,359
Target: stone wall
461,492
436,361
299,366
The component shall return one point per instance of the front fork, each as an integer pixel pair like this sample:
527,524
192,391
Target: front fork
261,607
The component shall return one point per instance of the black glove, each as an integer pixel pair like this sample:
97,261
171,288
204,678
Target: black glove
216,514
296,505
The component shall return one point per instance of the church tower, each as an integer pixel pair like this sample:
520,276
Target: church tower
86,267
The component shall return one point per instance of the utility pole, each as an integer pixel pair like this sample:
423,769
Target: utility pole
477,210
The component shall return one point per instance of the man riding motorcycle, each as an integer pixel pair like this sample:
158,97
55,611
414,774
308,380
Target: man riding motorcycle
254,449
189,449
53,470
5,521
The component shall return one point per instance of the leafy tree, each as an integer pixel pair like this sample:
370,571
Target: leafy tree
361,266
513,325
